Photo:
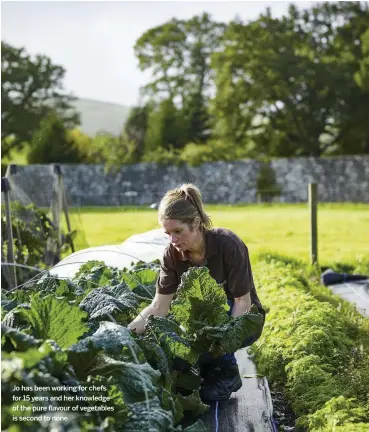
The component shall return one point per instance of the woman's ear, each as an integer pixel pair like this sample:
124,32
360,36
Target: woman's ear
196,223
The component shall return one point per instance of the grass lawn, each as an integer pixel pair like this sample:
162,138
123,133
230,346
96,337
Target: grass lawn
343,229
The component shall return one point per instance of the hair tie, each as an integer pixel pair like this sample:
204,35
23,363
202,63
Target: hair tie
188,197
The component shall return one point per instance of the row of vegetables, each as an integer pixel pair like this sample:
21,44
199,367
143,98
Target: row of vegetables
73,333
314,347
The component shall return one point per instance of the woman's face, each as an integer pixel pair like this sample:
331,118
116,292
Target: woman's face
180,234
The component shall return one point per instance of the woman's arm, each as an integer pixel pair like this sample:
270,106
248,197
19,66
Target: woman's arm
240,281
241,305
159,307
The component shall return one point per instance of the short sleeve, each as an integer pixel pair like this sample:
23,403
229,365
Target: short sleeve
238,267
167,282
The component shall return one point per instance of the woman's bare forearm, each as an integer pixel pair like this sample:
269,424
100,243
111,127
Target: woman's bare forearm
241,305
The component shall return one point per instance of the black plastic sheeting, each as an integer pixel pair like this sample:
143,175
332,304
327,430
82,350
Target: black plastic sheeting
250,409
353,288
329,277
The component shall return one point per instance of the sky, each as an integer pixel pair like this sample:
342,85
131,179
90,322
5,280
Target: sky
94,41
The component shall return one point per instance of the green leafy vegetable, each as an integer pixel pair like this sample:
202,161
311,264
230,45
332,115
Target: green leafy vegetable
136,381
142,282
138,373
96,274
148,416
110,338
189,381
196,427
200,301
15,340
50,318
229,337
119,304
171,338
192,403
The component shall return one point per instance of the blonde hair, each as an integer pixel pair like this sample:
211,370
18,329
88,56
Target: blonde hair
184,204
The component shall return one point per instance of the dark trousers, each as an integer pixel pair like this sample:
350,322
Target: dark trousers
229,359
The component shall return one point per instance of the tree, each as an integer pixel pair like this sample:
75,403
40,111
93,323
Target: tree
178,55
353,47
284,85
204,38
111,150
52,143
162,51
136,126
165,127
83,143
362,75
30,88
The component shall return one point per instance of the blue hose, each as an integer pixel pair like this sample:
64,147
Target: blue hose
216,417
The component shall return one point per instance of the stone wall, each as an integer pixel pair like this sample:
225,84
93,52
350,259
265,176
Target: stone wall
338,178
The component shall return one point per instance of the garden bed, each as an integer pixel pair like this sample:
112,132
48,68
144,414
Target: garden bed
315,346
313,351
69,339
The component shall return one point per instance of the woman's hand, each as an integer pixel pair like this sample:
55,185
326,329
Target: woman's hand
137,326
159,307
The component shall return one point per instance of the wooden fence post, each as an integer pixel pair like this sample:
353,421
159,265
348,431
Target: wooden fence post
62,205
5,189
313,201
65,208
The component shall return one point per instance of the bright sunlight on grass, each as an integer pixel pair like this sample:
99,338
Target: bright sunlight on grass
343,229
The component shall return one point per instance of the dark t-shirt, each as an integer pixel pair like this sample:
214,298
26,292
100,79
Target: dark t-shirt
227,259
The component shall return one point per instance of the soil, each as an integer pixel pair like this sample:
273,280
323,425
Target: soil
282,412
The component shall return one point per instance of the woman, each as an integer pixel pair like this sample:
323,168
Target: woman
194,243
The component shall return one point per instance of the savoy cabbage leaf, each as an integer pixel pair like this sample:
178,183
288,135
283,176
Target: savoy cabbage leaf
110,338
103,303
96,274
22,295
116,397
171,338
86,268
192,403
156,357
8,304
50,318
187,381
169,403
229,337
136,381
59,287
83,356
15,340
44,286
200,301
196,427
141,282
148,416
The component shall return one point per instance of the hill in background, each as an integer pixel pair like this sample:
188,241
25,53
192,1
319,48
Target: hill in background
97,116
